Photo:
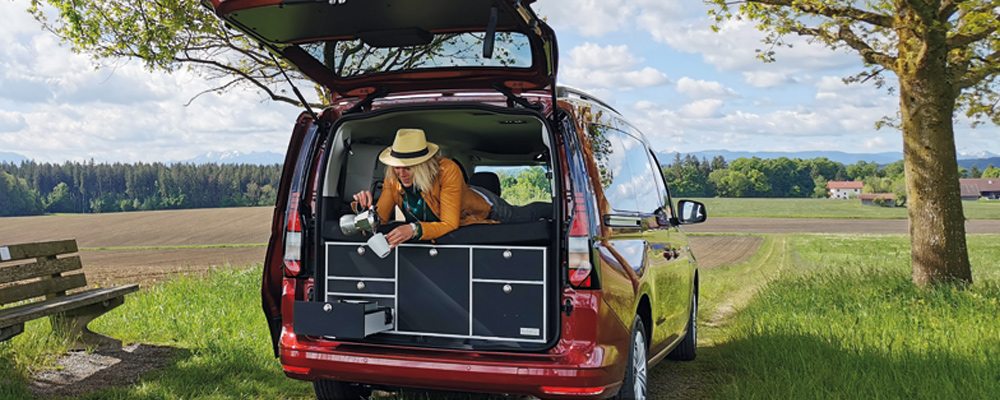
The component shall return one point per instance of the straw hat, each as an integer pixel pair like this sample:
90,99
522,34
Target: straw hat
410,148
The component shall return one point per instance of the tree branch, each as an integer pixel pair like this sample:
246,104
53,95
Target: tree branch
876,19
245,76
847,36
959,41
991,66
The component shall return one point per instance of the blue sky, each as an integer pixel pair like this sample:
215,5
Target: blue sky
656,61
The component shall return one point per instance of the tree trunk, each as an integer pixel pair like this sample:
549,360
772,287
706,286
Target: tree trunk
937,223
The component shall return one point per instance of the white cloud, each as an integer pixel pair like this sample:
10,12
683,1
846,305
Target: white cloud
875,142
766,79
608,67
706,108
590,55
700,89
11,122
589,17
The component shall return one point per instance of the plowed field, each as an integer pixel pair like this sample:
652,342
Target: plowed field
146,247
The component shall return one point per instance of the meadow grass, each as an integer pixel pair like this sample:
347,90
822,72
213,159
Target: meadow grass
827,208
844,321
808,316
214,324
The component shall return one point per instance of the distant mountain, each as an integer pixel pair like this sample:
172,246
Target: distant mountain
12,157
838,156
236,157
980,163
979,155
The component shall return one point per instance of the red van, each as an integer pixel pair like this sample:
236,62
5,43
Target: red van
578,305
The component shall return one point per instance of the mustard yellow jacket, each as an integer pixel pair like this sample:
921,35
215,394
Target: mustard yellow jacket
450,199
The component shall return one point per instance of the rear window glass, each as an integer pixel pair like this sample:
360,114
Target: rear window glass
352,58
523,184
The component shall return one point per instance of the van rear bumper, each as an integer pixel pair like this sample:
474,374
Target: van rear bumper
575,374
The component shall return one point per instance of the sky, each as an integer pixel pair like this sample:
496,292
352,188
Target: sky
658,62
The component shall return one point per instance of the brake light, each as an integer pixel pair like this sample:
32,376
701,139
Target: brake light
293,238
578,247
296,370
578,391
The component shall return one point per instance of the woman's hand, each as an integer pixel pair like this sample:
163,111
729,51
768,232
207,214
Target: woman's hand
399,235
364,199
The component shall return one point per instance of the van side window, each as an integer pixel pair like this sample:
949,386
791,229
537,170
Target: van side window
610,156
644,174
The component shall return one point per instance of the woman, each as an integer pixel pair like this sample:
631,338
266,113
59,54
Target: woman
432,193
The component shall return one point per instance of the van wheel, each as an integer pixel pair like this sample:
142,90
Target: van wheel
336,390
686,349
634,386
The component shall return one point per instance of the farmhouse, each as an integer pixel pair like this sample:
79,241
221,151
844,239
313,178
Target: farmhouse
844,190
870,199
974,189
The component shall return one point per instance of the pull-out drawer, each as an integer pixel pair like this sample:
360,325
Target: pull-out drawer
474,292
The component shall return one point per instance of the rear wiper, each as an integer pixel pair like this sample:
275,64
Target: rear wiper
515,98
366,103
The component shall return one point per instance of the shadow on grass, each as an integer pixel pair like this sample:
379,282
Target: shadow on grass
213,372
807,367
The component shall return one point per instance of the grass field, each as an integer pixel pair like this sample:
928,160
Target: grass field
214,324
809,316
844,321
827,208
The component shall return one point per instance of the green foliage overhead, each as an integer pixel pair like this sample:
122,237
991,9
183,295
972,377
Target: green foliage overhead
888,35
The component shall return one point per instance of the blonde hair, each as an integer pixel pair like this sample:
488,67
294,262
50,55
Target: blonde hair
424,174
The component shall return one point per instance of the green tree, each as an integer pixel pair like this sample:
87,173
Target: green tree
974,172
60,199
16,198
991,172
945,55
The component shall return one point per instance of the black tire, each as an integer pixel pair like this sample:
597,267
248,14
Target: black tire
686,350
336,390
636,383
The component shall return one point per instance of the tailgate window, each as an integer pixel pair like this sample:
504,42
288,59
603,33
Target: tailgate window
350,58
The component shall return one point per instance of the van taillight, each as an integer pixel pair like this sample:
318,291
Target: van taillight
293,238
581,270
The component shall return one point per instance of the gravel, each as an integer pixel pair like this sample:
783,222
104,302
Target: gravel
78,373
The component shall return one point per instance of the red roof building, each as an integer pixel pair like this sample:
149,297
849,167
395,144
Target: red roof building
844,189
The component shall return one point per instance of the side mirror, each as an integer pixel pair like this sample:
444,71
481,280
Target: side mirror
691,212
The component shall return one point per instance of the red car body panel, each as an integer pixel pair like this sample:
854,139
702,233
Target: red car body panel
590,354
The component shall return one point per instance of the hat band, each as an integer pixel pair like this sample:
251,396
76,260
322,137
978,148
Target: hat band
412,154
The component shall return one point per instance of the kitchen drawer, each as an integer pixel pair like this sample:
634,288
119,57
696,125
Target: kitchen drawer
433,290
508,310
360,286
516,264
345,260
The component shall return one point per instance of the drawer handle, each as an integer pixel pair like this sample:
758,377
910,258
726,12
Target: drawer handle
361,250
507,288
433,252
507,254
361,285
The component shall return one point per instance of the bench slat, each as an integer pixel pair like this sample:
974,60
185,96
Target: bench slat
40,288
27,312
34,250
39,269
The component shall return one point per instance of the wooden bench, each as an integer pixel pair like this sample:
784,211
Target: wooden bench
43,279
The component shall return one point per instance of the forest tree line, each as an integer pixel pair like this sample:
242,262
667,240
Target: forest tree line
783,177
31,188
